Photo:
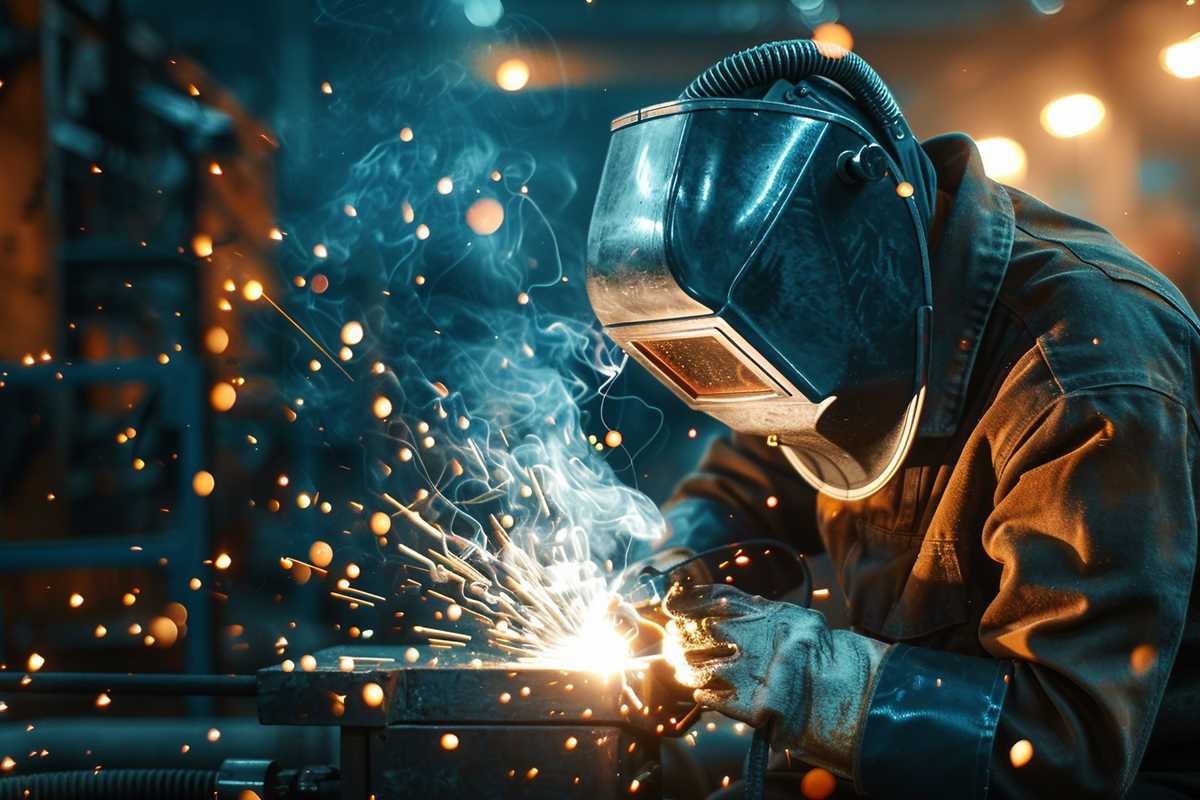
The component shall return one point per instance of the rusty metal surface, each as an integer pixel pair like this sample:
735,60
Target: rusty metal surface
455,691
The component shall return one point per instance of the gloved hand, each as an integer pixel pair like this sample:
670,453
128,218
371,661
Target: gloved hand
765,662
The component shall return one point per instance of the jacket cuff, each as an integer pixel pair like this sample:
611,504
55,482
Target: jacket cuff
925,696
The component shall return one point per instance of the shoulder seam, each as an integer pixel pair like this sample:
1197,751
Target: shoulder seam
1149,287
1028,422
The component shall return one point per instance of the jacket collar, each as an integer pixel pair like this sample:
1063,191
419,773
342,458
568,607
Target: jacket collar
967,270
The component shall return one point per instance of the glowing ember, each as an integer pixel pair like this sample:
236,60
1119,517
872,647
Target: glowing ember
1021,753
372,694
164,630
380,523
485,216
252,291
512,75
352,333
35,662
202,245
1142,659
382,407
75,600
449,741
203,483
216,339
320,554
223,396
818,784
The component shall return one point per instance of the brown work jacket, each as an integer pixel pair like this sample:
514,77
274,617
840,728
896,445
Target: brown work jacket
1034,559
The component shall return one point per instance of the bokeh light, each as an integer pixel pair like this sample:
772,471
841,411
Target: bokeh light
1182,59
483,13
485,216
512,75
834,33
1003,158
1073,115
202,245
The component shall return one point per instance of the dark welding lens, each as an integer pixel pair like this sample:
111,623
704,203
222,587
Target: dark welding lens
704,366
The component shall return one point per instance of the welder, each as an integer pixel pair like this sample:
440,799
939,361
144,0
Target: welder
983,410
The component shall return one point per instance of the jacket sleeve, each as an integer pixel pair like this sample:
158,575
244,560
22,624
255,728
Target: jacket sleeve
1094,525
726,499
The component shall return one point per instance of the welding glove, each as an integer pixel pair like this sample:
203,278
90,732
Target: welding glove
771,663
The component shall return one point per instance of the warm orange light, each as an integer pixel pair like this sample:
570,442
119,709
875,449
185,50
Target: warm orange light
382,407
372,694
485,216
1003,158
381,523
223,396
216,339
352,332
512,75
202,245
203,483
1073,115
833,33
1182,59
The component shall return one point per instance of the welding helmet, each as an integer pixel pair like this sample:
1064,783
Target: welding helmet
759,246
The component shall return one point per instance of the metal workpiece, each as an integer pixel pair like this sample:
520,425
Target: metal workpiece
585,761
461,726
362,686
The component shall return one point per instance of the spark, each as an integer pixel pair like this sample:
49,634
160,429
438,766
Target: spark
304,333
354,600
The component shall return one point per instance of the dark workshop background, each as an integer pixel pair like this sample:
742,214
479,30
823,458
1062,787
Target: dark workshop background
156,153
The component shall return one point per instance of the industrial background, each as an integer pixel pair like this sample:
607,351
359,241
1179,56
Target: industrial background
189,191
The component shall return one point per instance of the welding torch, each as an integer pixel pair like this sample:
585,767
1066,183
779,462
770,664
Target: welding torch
764,567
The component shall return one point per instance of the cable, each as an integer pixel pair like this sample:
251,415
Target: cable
794,60
755,773
112,784
123,683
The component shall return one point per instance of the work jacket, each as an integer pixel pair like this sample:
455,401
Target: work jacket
1033,561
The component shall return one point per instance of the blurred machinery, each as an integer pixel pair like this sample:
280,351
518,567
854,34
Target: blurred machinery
133,188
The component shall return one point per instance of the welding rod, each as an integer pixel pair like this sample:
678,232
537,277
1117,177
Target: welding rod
125,683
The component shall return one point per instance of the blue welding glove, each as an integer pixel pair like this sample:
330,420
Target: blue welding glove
772,663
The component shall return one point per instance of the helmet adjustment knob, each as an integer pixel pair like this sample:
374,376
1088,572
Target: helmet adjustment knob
868,164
